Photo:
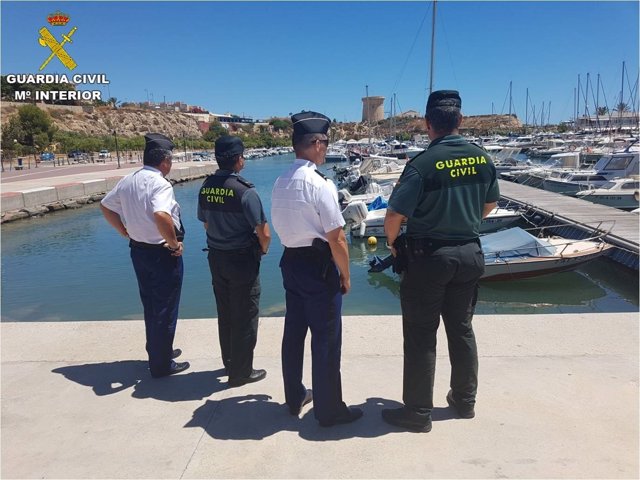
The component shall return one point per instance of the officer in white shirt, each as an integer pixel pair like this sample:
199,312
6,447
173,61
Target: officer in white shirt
315,272
142,208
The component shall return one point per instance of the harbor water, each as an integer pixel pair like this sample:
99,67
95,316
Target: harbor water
72,266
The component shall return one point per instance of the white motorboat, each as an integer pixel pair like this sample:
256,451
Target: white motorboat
336,155
622,193
373,224
615,165
515,253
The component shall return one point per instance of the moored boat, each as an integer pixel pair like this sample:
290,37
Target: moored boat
515,253
622,193
373,224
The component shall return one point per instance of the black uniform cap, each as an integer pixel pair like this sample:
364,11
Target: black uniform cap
444,98
229,146
310,122
157,140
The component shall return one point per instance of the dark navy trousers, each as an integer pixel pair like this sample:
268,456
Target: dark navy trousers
159,277
314,302
443,282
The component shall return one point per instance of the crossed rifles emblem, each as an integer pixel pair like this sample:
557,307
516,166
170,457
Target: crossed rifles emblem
57,50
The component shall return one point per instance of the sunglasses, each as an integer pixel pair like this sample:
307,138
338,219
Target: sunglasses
326,142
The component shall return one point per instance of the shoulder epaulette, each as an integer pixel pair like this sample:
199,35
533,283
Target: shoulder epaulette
321,174
245,182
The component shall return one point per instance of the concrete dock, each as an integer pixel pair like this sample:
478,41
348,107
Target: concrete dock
46,185
558,398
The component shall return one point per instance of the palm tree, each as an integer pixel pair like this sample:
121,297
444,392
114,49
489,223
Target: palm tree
601,111
622,107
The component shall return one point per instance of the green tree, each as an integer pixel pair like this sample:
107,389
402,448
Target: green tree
12,136
280,125
601,111
622,107
30,127
216,130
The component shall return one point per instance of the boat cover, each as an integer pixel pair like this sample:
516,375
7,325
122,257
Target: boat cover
512,243
378,203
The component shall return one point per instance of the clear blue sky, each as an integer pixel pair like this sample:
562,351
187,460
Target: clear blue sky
264,59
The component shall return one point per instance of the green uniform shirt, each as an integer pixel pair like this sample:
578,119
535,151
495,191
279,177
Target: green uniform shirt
442,191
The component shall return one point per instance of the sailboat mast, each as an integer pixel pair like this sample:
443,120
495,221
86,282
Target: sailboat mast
526,111
433,45
621,106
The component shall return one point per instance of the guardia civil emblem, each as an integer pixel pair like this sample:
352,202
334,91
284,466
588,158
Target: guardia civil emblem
57,19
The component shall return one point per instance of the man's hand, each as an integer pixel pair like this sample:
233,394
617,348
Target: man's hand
175,251
345,284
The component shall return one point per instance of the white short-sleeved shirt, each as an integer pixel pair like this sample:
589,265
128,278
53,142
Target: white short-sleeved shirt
137,197
304,205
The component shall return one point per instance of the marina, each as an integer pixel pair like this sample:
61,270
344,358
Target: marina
70,266
556,319
621,227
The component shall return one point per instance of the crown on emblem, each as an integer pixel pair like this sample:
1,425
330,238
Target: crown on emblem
58,19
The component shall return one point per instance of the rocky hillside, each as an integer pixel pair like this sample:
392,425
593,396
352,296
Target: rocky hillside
103,120
477,125
129,122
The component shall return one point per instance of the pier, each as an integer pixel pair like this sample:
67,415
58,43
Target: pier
580,218
557,398
49,188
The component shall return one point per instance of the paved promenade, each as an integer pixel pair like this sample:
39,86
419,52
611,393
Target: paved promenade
26,189
558,398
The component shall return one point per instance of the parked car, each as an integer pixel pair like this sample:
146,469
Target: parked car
78,156
47,156
104,154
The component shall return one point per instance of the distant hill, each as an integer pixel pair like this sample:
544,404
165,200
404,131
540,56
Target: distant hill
131,122
98,121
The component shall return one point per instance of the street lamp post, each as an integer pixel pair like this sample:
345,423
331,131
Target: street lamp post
115,135
184,138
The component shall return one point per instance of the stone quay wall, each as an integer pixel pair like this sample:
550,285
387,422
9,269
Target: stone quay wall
43,200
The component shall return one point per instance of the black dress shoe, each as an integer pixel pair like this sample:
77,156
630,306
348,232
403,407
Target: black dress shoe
308,398
464,411
256,376
350,415
175,368
405,418
176,353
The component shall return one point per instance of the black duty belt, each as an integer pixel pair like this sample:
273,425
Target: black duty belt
135,243
233,251
435,243
300,249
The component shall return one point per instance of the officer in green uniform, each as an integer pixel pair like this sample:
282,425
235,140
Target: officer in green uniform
237,236
443,194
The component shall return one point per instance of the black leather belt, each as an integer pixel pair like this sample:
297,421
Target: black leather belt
232,250
135,243
299,249
435,243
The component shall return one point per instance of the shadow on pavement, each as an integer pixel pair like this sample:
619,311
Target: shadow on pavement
112,377
255,417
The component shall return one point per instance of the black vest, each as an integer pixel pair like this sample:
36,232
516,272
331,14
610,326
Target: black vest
223,193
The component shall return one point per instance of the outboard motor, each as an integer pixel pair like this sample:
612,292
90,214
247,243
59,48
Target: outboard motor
355,213
344,196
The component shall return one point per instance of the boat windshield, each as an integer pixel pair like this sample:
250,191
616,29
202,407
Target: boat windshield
618,163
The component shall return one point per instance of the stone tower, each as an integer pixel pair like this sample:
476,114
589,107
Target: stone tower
372,109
